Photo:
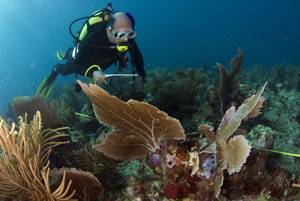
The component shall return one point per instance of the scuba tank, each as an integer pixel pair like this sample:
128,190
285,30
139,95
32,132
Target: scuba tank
103,15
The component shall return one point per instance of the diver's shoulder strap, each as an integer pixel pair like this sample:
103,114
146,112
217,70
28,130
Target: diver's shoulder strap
96,18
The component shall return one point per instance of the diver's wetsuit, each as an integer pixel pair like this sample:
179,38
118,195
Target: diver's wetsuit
96,50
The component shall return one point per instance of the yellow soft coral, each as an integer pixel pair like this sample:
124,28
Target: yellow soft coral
24,166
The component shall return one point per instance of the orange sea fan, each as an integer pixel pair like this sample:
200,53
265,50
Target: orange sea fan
138,127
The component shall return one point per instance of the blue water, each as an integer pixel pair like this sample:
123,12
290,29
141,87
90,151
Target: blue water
170,33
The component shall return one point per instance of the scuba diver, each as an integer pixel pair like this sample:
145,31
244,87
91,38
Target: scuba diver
105,39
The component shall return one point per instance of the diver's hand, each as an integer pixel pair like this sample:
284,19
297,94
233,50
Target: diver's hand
139,81
99,77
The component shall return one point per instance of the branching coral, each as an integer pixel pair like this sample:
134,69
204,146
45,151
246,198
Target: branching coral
232,154
24,170
138,127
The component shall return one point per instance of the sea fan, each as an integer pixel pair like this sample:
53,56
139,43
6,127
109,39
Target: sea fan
138,127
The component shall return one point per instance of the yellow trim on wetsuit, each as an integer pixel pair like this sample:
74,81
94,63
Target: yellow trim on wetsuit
90,68
96,18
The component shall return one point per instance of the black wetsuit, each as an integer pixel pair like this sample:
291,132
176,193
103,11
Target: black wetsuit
96,49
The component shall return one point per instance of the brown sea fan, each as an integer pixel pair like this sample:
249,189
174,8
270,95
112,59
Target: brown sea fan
138,127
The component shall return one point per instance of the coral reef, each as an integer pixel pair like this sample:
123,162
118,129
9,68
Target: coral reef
119,149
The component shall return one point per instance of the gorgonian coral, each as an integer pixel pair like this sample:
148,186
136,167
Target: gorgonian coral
138,127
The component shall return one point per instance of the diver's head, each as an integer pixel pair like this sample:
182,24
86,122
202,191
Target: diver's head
121,28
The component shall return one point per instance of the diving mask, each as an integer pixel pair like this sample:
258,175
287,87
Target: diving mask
124,35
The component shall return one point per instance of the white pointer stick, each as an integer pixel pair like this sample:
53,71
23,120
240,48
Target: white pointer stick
120,75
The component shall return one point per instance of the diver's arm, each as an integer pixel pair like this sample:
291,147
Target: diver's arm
137,58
